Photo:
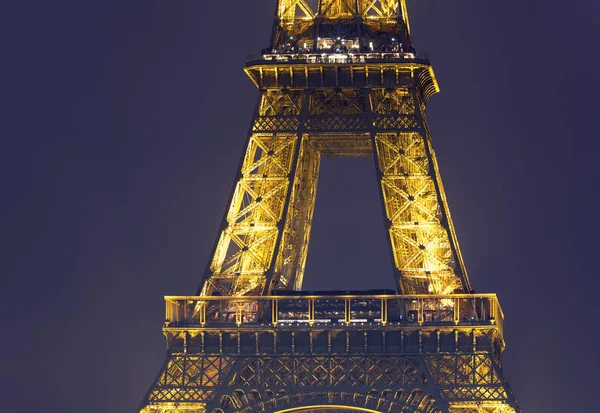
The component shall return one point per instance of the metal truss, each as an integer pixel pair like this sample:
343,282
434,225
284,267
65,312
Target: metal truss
245,247
261,361
303,23
289,267
270,382
340,79
444,368
264,241
242,383
414,204
308,10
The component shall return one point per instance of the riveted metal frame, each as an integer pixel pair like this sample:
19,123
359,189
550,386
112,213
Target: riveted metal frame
340,78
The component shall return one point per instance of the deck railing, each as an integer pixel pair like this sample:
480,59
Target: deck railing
336,58
455,309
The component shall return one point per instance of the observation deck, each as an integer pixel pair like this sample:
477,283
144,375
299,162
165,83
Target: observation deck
339,57
340,323
373,69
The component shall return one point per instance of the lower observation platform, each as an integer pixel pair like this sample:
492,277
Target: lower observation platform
377,323
363,351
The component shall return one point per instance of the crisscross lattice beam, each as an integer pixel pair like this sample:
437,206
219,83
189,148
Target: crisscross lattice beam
263,245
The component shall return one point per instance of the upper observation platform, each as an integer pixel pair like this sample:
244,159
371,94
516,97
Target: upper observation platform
338,57
305,69
341,43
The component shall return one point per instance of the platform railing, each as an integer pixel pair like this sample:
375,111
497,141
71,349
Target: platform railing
455,309
335,58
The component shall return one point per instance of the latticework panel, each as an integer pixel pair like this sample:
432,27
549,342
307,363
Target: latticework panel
392,102
468,383
387,9
189,379
197,383
467,377
394,109
396,122
420,242
274,102
296,20
276,123
337,123
289,268
338,8
279,111
337,111
307,9
419,234
246,246
330,371
337,102
295,9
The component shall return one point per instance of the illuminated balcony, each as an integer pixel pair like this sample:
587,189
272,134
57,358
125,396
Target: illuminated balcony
342,70
334,311
337,58
334,323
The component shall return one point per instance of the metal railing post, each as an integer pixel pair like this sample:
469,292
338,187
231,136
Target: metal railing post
238,314
347,315
311,311
202,312
274,311
456,311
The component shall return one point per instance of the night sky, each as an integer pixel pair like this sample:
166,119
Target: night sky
122,123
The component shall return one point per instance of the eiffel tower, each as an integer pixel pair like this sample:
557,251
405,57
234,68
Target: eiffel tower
340,78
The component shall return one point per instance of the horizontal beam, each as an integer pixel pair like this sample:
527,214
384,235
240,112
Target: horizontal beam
332,296
199,312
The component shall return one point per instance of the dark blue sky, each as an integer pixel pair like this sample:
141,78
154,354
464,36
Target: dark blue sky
122,125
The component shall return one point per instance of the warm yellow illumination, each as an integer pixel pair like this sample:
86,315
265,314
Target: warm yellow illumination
340,79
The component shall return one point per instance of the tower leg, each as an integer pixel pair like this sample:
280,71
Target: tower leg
291,258
277,179
421,242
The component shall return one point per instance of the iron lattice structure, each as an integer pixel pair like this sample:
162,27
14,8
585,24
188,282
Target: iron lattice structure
340,78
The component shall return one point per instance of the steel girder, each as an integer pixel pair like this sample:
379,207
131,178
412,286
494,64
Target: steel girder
264,370
334,9
341,78
302,23
264,240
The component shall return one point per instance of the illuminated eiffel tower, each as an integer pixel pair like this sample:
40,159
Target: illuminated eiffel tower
341,78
